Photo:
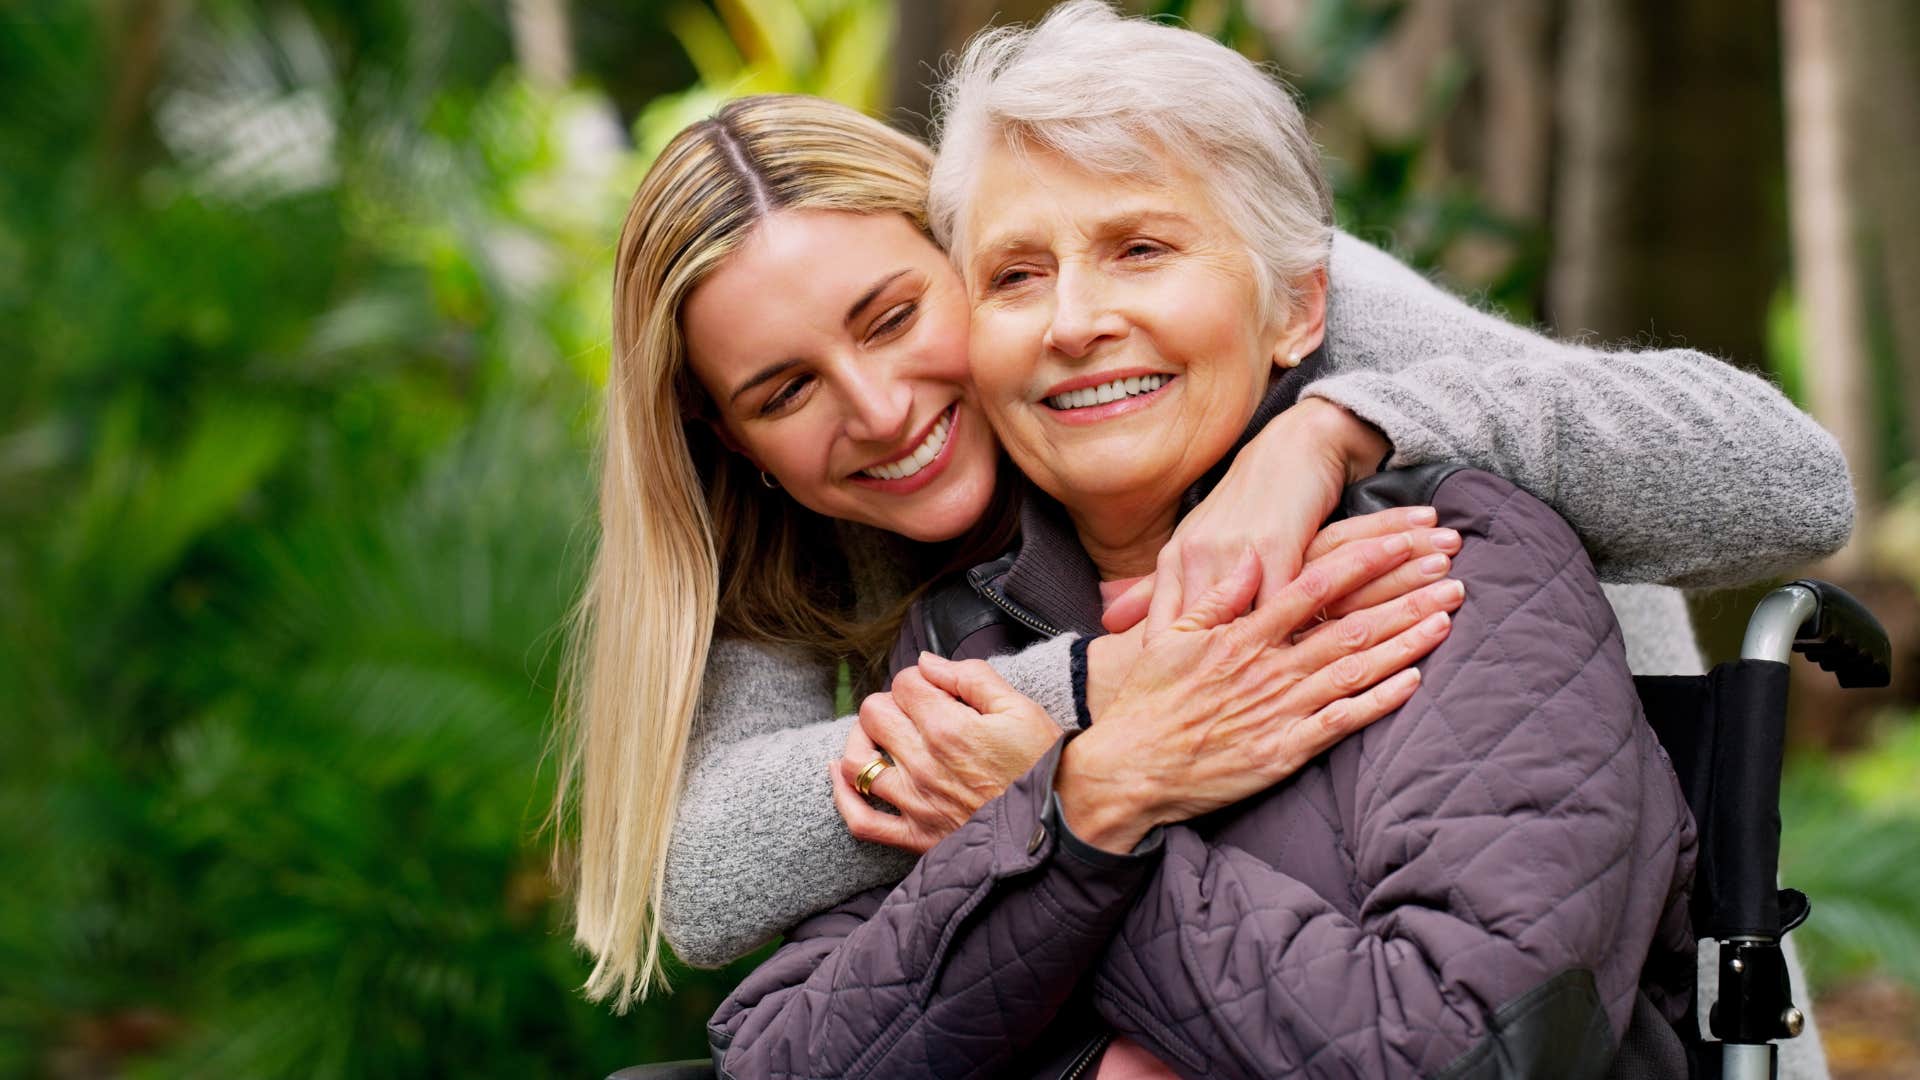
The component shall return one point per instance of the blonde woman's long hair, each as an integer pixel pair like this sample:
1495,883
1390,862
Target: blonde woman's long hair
676,507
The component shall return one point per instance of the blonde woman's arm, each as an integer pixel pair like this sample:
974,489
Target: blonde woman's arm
1672,466
757,845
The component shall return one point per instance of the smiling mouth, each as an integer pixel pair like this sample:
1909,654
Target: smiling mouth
1108,392
920,456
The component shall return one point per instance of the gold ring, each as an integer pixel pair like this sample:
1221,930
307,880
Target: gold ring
863,783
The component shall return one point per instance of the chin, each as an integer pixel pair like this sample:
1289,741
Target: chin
1114,476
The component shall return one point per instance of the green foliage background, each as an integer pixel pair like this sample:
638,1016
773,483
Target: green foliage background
304,324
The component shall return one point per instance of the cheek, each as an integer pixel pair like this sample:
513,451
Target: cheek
946,355
998,364
793,452
1223,339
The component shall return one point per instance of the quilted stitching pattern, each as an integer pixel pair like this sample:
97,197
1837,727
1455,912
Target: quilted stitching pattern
1516,818
1364,918
948,973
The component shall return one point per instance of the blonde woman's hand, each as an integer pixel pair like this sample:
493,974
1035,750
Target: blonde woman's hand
1223,703
957,735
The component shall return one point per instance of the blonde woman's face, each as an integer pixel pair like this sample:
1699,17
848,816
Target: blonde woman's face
834,348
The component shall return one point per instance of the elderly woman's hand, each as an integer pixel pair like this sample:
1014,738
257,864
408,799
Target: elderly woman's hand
1109,658
1222,705
957,735
1319,448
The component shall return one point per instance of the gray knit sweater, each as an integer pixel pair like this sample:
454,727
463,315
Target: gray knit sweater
1675,469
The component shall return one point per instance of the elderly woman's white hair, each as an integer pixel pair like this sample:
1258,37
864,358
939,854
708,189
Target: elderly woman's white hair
1129,97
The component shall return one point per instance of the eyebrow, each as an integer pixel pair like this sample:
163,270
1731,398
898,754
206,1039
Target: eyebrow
771,371
1008,242
869,296
774,371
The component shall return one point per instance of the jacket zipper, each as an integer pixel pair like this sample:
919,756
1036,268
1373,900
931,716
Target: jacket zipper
1087,1057
1031,622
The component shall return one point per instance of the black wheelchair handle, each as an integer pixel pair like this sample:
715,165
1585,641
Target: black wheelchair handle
1843,637
1820,620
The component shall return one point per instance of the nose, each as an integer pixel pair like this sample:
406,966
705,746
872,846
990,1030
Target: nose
879,404
1082,316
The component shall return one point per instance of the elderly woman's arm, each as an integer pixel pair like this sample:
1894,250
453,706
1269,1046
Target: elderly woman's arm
1673,467
953,971
1515,849
971,957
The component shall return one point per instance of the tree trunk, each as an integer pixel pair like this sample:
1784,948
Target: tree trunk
925,32
1664,230
1827,265
542,41
1886,55
139,30
1586,283
1508,147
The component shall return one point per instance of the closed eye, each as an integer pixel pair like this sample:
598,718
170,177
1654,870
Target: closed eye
1007,279
785,396
895,320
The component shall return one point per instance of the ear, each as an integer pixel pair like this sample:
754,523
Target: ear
1306,327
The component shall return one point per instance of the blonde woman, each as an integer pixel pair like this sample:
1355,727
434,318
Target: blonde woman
788,408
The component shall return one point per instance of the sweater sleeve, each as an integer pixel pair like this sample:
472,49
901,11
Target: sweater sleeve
1519,851
952,971
757,844
1672,466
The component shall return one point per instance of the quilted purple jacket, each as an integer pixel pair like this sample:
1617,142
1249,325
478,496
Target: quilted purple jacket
1490,882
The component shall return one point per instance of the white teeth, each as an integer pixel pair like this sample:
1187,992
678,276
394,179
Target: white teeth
1109,391
922,455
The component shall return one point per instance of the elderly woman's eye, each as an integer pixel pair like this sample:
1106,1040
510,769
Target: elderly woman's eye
1008,278
1141,248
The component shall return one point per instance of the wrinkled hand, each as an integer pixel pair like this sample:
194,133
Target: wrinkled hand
1320,448
1221,703
957,734
1109,658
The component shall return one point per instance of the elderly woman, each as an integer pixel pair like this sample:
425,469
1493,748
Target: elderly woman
1493,879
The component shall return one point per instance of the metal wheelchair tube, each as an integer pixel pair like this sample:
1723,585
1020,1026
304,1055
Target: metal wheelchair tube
1747,1061
1776,622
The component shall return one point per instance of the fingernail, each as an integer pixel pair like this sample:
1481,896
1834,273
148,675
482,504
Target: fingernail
1422,515
1445,539
1397,544
1433,565
1453,589
1435,622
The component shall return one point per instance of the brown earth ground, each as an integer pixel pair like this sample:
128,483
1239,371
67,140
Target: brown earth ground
1871,1029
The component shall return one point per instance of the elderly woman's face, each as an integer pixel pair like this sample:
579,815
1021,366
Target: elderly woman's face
1118,346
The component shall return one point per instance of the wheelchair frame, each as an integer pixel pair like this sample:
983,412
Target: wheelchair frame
1729,763
1736,902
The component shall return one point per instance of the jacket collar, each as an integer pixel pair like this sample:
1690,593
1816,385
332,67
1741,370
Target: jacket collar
1051,576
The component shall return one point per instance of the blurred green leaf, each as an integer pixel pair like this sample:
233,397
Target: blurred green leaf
1852,844
772,34
706,41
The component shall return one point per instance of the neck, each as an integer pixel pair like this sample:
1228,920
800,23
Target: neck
1124,542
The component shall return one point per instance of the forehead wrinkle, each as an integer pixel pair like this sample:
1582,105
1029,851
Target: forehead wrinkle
1042,169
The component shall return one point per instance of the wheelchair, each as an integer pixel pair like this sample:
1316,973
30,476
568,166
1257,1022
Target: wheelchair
1725,733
